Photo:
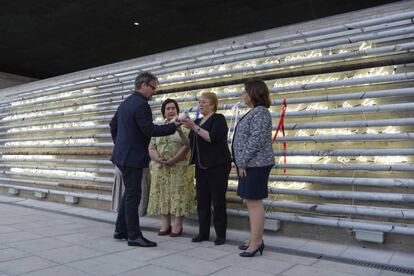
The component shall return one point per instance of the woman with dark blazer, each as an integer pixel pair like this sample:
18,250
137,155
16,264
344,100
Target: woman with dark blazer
254,158
212,159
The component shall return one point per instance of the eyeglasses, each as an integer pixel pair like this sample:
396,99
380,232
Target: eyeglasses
152,86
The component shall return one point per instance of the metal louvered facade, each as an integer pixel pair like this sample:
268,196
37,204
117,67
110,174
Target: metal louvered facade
349,89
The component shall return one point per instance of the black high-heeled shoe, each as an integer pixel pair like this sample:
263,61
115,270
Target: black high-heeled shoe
252,254
243,247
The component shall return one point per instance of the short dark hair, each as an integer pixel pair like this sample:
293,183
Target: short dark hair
144,77
164,104
258,92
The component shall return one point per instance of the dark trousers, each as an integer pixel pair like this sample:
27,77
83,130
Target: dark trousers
128,219
211,186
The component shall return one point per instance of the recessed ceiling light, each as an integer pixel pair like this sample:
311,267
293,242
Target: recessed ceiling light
136,23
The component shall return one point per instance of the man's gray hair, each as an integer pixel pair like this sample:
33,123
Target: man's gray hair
144,77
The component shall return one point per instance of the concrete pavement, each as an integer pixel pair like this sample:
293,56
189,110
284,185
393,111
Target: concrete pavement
44,238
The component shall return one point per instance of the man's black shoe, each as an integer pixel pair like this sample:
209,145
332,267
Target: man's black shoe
199,239
220,241
141,241
120,236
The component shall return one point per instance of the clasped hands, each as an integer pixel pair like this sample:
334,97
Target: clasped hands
168,162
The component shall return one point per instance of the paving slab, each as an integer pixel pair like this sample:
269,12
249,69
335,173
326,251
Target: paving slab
83,234
153,271
178,244
146,254
39,242
22,265
106,265
69,254
39,245
106,244
80,211
18,236
187,241
368,254
7,229
286,242
106,216
43,204
188,264
8,199
206,253
60,270
257,264
238,271
289,258
40,224
59,231
8,254
301,270
347,268
230,248
15,219
325,248
402,259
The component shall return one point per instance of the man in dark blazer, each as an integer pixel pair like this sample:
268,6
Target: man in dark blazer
131,129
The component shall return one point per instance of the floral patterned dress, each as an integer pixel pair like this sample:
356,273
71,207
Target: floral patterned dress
172,187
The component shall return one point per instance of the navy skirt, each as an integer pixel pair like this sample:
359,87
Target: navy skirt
254,185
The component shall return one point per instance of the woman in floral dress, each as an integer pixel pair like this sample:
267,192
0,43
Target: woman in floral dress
172,193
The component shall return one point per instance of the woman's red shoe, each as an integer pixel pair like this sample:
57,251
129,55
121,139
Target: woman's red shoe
172,234
165,233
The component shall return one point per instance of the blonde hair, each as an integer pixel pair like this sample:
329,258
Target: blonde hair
212,98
